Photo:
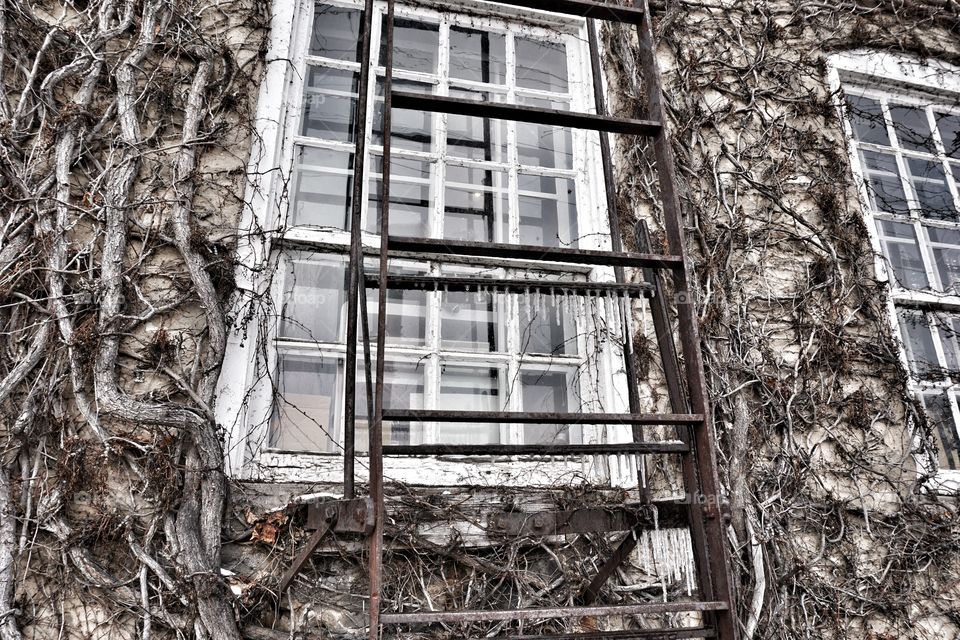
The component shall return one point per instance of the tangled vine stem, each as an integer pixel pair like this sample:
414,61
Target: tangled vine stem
119,192
124,130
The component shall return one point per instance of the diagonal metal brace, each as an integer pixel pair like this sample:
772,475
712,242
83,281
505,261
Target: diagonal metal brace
341,516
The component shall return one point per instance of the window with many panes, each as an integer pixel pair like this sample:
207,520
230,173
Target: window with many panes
452,177
906,143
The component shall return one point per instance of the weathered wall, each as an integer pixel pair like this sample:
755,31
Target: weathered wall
118,215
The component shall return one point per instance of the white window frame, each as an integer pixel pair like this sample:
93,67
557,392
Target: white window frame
245,389
887,76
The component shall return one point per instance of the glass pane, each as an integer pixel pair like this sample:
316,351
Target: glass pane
883,183
930,186
548,392
548,211
469,389
406,310
541,65
409,129
411,196
548,325
477,55
921,352
476,138
949,328
946,255
899,244
305,416
912,127
940,413
469,321
949,126
415,45
475,205
867,119
313,299
329,104
543,145
336,32
402,389
322,198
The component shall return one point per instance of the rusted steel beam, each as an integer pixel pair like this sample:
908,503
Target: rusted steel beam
430,617
533,449
520,113
500,285
639,634
439,247
529,417
581,8
589,520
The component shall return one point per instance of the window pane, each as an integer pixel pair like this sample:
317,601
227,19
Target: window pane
930,186
336,32
476,138
883,183
415,45
900,247
409,129
402,389
867,119
548,325
320,196
549,392
946,255
406,310
475,205
949,126
313,298
305,415
940,412
912,127
469,321
543,145
921,352
541,65
477,55
470,389
548,211
329,104
411,196
949,328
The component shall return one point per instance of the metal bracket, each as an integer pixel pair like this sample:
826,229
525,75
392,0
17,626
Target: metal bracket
340,516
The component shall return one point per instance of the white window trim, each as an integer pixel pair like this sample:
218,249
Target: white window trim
245,389
910,75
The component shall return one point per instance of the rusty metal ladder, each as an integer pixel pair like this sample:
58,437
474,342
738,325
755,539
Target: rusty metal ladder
701,511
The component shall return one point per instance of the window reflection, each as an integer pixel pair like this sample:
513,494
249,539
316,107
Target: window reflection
541,65
336,33
548,211
415,45
464,388
477,55
322,188
866,115
329,104
899,243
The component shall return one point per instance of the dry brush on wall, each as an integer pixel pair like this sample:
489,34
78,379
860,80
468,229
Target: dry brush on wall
832,536
124,126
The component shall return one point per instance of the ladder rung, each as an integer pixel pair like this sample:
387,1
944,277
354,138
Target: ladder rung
581,8
484,285
639,634
520,113
534,449
527,417
538,614
532,252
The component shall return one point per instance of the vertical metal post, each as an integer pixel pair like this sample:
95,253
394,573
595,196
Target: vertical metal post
616,242
355,268
376,424
689,331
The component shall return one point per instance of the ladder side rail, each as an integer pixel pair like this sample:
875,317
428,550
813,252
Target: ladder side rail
355,267
689,331
375,430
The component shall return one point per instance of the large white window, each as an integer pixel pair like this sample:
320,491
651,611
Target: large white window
904,122
453,177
